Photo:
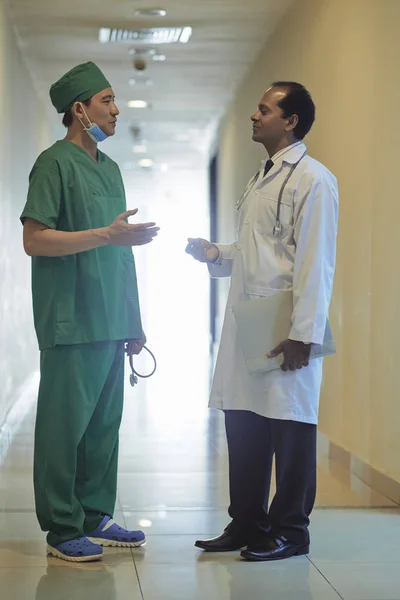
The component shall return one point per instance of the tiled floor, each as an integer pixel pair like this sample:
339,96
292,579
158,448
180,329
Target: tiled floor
173,484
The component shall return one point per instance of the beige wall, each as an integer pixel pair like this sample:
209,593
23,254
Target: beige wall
347,54
23,133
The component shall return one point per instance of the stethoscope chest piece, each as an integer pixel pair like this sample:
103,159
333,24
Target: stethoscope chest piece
277,231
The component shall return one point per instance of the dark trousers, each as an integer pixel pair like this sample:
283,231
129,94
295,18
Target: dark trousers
252,442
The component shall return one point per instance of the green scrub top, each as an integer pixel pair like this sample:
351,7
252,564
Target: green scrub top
91,296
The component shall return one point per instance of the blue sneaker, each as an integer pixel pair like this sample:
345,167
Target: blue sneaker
78,550
108,533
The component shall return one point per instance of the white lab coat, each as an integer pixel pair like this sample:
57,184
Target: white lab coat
261,264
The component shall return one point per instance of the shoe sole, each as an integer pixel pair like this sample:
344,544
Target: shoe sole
115,544
222,550
75,559
299,552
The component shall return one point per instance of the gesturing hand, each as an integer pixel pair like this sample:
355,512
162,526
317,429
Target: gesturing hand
202,250
122,233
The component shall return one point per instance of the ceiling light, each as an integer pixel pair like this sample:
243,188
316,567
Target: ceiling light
159,57
138,104
104,35
139,149
150,12
154,35
142,51
163,167
185,35
141,81
145,163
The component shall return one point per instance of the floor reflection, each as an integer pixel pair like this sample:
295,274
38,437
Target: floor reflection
173,483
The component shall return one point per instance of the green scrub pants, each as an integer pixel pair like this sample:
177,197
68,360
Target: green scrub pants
76,437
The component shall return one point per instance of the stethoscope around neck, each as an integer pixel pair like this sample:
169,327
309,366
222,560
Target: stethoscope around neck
277,230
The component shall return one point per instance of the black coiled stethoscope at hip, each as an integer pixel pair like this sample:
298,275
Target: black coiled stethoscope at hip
133,378
277,230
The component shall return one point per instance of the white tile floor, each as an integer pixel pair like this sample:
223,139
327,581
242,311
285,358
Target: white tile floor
173,484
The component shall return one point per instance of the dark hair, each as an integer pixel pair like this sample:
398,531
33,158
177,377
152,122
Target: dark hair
298,102
68,117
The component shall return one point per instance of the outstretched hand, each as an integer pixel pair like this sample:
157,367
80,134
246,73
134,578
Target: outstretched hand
202,250
122,233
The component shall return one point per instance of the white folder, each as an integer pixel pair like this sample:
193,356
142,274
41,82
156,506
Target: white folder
263,324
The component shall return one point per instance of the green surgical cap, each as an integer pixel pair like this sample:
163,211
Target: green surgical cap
78,85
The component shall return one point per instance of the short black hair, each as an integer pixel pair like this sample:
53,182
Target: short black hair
298,102
68,117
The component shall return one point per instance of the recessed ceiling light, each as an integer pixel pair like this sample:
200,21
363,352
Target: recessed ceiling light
185,35
142,51
163,167
145,163
150,12
154,35
104,35
139,149
141,81
138,104
159,57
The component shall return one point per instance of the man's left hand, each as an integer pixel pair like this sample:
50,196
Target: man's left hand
135,346
296,355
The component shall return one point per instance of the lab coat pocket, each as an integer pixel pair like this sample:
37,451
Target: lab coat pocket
267,215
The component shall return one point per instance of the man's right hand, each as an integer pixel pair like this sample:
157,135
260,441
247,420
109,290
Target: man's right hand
121,233
202,250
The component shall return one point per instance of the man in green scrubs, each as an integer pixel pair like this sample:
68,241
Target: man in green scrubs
87,315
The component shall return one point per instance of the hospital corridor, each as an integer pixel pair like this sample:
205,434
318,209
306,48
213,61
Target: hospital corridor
184,113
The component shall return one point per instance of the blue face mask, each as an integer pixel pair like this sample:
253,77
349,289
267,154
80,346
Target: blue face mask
95,133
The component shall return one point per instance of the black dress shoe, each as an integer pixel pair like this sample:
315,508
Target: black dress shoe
274,548
232,539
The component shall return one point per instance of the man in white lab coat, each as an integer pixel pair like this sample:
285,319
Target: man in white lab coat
275,413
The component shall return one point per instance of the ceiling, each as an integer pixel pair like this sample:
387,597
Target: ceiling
190,90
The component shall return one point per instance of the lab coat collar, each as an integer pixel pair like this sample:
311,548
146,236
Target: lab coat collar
290,155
